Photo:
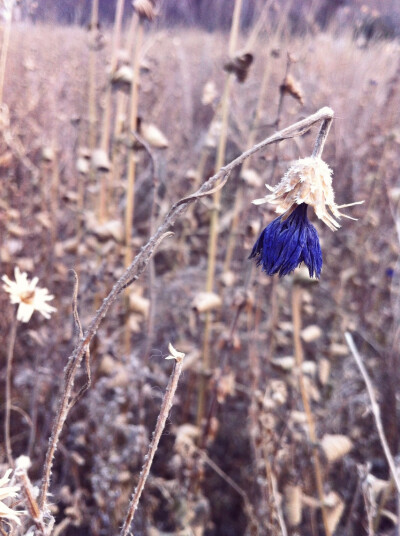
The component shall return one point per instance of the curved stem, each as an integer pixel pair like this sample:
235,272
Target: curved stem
322,135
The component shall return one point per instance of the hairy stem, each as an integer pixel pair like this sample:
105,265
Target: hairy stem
162,418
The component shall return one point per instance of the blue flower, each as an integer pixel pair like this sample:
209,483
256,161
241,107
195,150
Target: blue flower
286,243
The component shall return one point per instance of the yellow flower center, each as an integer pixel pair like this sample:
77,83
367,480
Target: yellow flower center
27,297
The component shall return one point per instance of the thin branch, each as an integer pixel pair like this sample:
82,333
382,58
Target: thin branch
162,418
375,409
137,267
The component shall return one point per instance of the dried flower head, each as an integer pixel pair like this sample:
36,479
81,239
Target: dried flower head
29,297
7,492
291,239
308,181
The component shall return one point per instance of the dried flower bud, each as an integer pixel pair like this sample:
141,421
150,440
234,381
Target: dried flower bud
292,87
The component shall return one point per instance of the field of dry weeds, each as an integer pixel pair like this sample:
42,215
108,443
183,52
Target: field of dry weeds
271,431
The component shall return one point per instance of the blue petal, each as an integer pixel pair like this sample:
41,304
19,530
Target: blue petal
284,244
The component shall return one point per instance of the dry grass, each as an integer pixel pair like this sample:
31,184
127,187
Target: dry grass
256,439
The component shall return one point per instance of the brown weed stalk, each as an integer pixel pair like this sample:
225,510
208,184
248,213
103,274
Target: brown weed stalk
160,425
214,221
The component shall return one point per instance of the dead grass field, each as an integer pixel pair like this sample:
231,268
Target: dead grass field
255,460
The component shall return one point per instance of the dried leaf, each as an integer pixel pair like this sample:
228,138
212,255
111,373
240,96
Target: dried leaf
336,446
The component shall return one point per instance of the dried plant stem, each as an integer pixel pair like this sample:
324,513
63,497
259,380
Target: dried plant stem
10,356
55,186
31,504
137,267
214,221
322,136
92,76
130,194
105,132
162,418
239,194
4,53
375,410
106,127
298,351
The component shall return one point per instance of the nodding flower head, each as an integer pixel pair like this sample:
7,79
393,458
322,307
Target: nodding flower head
308,181
286,243
291,239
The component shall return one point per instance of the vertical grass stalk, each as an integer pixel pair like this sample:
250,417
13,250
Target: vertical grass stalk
162,419
94,20
4,51
130,194
213,233
10,357
298,352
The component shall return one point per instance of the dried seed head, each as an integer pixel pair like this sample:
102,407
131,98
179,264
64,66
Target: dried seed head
308,181
291,86
145,9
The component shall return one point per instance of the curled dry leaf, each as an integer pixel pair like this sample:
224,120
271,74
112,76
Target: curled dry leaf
240,65
225,387
100,161
153,135
334,510
324,370
311,333
82,166
122,78
48,154
209,93
206,301
336,446
292,495
139,304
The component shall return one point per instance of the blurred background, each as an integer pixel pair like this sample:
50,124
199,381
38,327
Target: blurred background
112,111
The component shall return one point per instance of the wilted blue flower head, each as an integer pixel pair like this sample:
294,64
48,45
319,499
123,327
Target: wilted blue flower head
291,239
286,243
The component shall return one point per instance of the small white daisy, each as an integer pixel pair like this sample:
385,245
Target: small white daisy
29,297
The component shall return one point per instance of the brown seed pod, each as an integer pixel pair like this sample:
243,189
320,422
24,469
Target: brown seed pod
240,65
